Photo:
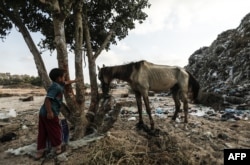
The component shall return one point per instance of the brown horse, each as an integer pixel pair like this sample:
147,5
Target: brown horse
144,76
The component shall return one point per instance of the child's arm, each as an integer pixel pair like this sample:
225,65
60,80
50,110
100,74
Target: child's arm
50,114
70,81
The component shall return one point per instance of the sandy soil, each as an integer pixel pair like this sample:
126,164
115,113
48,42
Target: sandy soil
202,143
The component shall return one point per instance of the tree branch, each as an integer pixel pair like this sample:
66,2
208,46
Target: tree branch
87,35
104,44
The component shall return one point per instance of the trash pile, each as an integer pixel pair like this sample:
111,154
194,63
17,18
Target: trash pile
162,108
224,66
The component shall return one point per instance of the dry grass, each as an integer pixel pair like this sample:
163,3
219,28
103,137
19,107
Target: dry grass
127,145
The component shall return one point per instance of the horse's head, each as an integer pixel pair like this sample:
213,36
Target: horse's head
105,79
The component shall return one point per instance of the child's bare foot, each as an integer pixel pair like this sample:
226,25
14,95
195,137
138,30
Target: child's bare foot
60,149
39,155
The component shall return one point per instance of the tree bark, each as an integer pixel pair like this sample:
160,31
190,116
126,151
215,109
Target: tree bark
92,69
107,114
80,89
77,117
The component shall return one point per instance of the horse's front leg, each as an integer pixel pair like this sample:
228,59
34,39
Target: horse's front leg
177,104
139,106
146,101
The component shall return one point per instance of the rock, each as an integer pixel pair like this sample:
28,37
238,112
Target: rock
8,137
243,107
124,95
222,136
29,98
8,127
211,99
234,99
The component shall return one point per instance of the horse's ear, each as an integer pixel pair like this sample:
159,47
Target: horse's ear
103,65
98,68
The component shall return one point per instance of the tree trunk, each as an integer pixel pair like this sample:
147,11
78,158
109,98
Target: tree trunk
110,107
80,89
94,87
76,117
31,45
92,71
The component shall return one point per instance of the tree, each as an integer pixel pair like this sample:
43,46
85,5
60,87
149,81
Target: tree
96,25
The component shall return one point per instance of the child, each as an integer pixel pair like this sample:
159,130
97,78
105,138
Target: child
49,127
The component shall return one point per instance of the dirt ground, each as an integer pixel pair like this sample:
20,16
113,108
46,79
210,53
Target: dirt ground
201,143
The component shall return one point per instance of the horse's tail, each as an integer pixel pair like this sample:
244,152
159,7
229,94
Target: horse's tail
194,84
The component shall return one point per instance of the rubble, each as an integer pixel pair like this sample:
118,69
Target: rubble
224,67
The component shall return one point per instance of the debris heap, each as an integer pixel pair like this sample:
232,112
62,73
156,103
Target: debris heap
224,66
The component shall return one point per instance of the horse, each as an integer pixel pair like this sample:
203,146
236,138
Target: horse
144,76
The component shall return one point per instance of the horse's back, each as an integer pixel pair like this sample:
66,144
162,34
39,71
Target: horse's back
158,77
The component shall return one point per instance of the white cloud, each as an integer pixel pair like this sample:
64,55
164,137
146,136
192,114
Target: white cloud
182,14
123,46
173,30
157,14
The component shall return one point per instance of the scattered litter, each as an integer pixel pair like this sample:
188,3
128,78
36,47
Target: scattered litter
31,149
84,141
26,150
161,116
132,118
6,115
62,157
24,127
12,113
233,114
197,113
128,110
160,110
177,120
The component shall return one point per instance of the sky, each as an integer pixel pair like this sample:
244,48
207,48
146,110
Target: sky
173,30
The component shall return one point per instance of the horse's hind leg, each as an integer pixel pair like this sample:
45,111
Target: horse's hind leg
146,101
185,107
177,103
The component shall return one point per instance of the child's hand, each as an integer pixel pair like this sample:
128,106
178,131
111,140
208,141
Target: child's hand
71,81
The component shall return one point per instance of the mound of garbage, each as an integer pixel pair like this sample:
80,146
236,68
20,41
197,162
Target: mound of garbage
223,68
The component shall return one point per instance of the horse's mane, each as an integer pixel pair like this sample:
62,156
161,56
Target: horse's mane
123,71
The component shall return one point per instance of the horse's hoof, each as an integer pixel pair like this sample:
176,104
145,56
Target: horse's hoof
155,132
173,118
140,126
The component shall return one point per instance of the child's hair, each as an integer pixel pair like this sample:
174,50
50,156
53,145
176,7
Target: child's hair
55,73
